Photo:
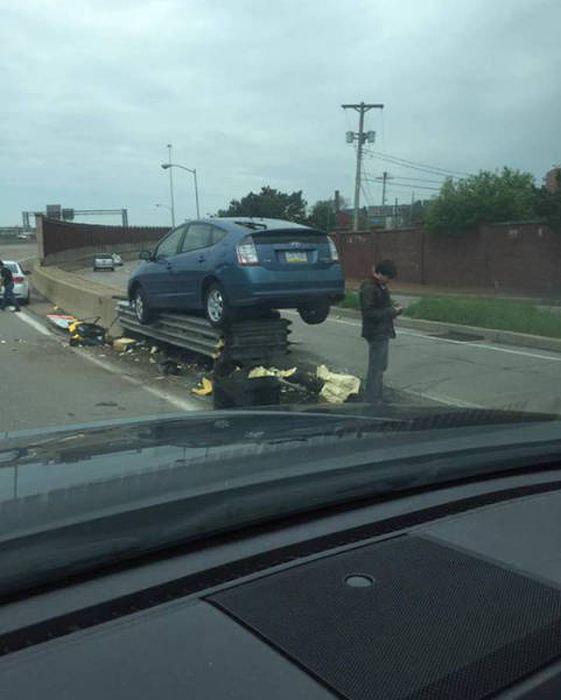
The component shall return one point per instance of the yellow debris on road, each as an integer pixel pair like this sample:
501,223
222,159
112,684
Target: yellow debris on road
204,388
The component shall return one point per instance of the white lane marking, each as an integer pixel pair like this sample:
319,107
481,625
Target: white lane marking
182,404
481,346
446,400
27,318
465,344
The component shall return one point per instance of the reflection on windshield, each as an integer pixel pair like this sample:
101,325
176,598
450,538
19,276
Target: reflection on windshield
393,253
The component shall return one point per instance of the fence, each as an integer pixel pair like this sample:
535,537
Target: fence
514,257
62,241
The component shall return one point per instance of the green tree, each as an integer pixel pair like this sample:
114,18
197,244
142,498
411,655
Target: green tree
269,204
549,205
462,205
322,215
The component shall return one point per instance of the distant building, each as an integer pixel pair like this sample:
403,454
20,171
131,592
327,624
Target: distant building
553,179
387,216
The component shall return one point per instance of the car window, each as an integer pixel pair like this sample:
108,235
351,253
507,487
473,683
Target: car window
169,245
217,235
197,236
13,268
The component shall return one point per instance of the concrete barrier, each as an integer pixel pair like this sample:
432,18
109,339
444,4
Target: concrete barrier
85,300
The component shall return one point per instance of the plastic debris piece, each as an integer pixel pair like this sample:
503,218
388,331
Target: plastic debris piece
337,387
153,350
61,320
122,344
257,372
204,388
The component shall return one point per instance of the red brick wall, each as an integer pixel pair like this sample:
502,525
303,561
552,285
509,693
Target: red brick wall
523,258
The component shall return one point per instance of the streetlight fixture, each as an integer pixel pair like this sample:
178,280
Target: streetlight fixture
193,171
163,206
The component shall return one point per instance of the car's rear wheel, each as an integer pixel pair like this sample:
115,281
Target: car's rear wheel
216,306
141,306
315,312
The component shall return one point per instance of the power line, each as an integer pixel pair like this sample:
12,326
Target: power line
424,169
419,179
421,165
410,167
406,185
415,187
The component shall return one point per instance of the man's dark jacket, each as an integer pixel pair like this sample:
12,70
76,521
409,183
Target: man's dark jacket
6,274
377,311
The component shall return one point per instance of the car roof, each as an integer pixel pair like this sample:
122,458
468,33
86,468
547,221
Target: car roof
242,223
10,262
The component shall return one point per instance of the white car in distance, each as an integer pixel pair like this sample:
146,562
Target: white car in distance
21,284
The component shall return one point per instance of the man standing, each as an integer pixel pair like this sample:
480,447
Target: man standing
378,314
8,283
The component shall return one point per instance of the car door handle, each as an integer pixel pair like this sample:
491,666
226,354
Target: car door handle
201,258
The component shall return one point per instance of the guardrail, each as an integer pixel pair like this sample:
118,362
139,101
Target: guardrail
260,340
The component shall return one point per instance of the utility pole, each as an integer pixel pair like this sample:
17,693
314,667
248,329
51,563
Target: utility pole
169,147
384,179
361,137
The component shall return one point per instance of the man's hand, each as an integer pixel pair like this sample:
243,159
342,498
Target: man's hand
398,309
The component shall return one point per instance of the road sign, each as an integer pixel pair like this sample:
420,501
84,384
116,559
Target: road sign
54,211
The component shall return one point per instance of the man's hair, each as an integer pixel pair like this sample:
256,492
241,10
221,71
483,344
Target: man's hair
386,268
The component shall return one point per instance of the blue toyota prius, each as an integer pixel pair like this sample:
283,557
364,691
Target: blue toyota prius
223,266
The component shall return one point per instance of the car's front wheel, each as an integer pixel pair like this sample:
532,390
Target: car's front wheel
315,312
141,306
216,306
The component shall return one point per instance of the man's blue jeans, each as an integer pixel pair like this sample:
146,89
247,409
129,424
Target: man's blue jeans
377,365
9,298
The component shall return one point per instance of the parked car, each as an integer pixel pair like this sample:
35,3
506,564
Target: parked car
224,265
21,283
117,259
103,261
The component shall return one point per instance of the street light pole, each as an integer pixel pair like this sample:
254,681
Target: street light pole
196,193
171,187
193,171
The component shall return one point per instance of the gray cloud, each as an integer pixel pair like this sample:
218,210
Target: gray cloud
250,93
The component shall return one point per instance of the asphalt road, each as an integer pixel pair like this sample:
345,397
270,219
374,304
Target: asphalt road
470,374
17,251
47,383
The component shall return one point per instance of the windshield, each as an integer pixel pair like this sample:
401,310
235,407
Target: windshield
353,213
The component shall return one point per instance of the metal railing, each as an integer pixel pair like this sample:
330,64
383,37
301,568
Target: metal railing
259,340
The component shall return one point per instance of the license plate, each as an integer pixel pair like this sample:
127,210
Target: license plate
296,257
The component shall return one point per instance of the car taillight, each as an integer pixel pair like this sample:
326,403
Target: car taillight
18,279
333,250
247,252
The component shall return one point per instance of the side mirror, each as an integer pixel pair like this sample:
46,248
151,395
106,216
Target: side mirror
27,272
145,255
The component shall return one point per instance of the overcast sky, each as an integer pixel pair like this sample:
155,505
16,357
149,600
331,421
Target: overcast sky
249,92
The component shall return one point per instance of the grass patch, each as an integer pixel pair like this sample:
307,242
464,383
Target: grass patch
351,301
488,313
